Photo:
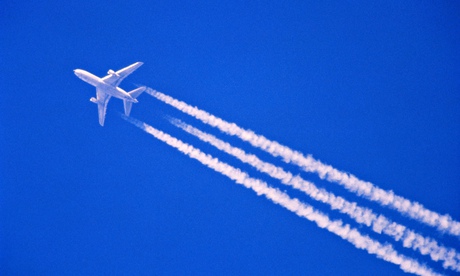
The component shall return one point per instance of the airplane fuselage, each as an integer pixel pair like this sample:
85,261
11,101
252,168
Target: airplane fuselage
97,82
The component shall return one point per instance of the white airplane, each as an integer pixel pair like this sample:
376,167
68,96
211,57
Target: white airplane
107,87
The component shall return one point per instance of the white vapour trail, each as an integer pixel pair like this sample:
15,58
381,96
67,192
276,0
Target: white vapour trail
378,223
415,210
385,252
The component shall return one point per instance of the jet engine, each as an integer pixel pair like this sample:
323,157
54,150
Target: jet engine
94,100
111,72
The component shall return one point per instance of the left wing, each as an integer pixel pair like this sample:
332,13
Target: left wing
115,78
102,101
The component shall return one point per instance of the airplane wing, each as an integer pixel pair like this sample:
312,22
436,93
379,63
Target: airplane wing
115,78
102,101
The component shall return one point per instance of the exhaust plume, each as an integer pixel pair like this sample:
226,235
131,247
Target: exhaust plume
414,210
378,223
385,252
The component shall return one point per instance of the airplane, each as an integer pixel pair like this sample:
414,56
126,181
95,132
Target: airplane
107,87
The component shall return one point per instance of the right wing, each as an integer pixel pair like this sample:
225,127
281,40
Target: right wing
102,101
116,78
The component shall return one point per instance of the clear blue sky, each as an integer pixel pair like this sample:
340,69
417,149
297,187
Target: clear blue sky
372,89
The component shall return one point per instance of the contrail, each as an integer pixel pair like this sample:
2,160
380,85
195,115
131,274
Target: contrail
415,210
362,215
385,252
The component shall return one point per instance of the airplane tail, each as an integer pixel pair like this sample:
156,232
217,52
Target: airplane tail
134,93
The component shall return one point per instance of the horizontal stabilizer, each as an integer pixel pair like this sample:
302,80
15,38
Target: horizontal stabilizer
128,106
136,92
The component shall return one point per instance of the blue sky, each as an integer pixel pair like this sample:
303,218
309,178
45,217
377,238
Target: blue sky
372,89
